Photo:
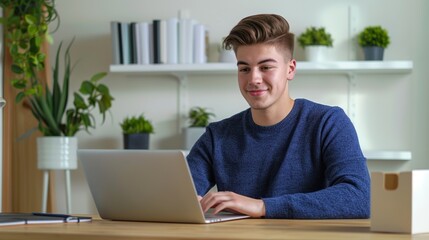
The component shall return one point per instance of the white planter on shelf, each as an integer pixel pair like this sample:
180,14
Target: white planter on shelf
57,153
315,53
191,135
227,56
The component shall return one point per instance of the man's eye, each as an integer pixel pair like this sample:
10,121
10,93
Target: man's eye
243,69
266,68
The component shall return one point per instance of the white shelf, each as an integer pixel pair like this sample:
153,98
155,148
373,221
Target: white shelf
349,67
388,155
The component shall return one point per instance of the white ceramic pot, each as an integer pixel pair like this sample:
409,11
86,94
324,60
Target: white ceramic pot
191,135
315,53
57,153
227,56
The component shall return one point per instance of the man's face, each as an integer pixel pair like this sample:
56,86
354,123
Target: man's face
263,74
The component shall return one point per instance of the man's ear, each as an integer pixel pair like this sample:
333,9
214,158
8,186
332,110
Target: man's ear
291,69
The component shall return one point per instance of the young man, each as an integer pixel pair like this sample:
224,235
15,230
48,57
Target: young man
282,158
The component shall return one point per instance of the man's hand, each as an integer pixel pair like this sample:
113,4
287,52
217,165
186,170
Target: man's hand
232,202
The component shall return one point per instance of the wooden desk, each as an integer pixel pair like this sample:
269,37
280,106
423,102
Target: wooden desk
240,229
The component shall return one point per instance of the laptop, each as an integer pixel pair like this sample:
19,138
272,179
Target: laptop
144,185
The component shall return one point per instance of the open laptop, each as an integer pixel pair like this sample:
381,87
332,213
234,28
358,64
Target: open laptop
144,185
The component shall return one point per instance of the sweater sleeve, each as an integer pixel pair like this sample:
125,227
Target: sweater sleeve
347,194
200,163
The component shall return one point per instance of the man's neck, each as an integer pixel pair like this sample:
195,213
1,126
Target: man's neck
272,115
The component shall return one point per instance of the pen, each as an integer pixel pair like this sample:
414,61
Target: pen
51,214
67,217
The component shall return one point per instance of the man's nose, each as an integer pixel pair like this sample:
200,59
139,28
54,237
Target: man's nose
255,77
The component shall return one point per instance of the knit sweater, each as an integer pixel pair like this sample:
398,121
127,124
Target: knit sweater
307,166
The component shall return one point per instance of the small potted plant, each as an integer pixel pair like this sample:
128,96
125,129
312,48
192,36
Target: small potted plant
373,40
136,131
315,41
199,118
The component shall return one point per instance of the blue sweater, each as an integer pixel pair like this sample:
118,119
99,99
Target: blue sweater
309,165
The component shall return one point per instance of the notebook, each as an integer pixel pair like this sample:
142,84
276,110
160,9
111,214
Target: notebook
144,185
7,219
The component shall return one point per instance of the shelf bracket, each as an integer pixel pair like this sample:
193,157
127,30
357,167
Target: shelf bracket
351,96
182,100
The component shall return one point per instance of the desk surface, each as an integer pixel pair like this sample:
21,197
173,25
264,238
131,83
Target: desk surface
240,229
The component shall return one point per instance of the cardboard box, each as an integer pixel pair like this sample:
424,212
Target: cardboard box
400,202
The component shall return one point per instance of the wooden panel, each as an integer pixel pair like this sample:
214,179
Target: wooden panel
22,181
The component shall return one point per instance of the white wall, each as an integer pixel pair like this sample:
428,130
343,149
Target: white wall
391,109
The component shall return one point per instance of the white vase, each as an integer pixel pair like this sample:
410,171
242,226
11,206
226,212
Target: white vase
227,56
57,153
191,135
315,53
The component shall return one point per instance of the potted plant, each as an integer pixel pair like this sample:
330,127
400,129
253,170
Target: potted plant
136,132
199,118
26,29
373,40
315,41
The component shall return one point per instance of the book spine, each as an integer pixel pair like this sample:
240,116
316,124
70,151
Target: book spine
125,41
199,44
182,41
115,38
172,41
138,43
163,41
133,43
156,41
145,42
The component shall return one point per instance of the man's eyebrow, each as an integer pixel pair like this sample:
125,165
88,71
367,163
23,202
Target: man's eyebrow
260,62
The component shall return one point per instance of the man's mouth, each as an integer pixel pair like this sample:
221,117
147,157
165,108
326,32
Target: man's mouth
256,92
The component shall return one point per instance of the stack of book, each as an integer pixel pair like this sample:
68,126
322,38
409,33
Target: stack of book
160,41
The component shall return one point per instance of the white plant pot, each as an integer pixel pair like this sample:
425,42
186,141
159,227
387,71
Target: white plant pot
191,135
57,153
227,56
315,53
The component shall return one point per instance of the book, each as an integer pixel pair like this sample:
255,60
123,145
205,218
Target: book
125,43
199,45
133,42
172,41
156,38
186,40
143,43
163,41
115,38
7,219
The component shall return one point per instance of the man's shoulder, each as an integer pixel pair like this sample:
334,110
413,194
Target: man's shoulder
234,119
311,107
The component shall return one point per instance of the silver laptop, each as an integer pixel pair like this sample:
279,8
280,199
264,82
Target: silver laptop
144,185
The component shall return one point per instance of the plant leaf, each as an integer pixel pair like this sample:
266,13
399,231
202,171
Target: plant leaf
98,76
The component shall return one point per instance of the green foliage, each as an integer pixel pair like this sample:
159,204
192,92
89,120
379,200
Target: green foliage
199,117
374,36
49,106
315,36
26,24
26,30
138,124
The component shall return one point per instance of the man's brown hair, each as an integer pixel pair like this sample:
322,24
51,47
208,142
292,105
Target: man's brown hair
261,28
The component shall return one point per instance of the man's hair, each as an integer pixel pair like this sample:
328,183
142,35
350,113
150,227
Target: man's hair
261,28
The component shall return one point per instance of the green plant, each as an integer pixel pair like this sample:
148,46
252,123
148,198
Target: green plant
315,36
199,117
26,31
135,124
26,28
374,36
49,107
